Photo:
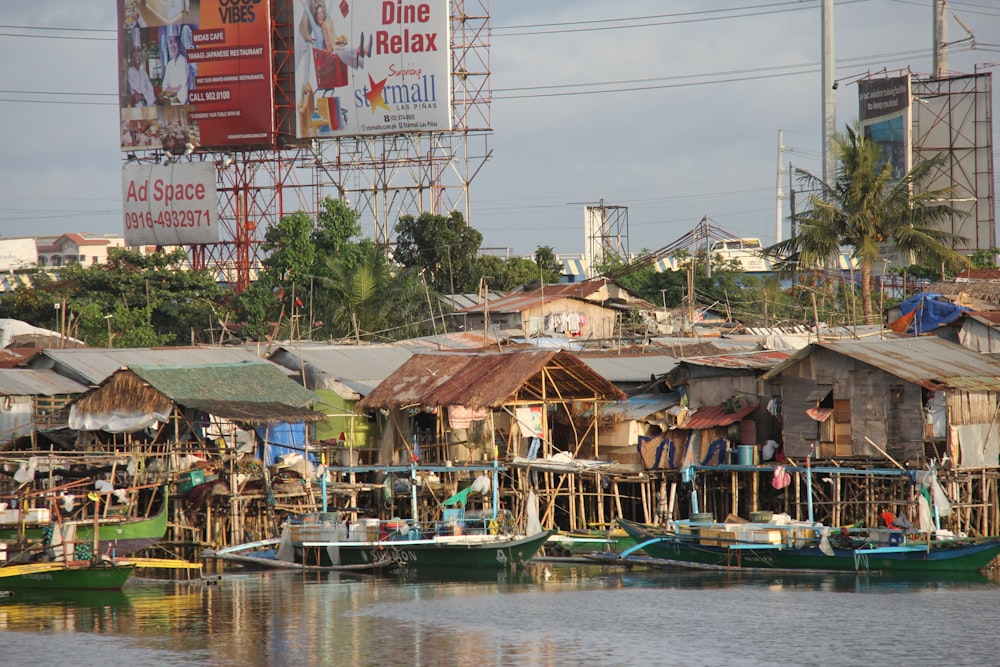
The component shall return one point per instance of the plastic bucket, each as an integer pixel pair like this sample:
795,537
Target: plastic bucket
746,455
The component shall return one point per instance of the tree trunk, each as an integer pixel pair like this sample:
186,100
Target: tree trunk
866,293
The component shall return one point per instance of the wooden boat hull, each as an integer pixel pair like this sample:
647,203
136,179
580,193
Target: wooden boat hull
962,556
60,576
453,552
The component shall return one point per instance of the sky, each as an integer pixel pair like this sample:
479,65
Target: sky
671,110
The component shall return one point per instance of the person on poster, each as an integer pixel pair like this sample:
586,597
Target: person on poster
140,88
175,75
317,28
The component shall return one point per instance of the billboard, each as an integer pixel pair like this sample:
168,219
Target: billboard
172,204
365,67
195,73
18,253
885,119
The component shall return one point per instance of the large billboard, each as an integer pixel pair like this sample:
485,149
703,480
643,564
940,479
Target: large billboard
195,73
885,118
171,204
365,67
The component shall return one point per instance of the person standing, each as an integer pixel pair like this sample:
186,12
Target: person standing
140,88
175,75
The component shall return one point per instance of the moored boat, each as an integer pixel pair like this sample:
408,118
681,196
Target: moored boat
117,535
578,543
76,575
807,546
327,540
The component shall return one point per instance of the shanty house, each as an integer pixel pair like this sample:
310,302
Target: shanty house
980,331
589,310
722,404
32,400
908,399
182,403
471,406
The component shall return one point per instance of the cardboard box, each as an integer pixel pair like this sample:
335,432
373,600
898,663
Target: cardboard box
764,536
716,537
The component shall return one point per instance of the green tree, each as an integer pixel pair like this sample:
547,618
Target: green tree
866,211
132,299
136,299
337,225
984,259
548,264
444,247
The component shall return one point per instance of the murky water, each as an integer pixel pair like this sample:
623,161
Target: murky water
580,615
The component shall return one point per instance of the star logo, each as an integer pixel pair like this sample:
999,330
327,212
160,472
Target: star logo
374,95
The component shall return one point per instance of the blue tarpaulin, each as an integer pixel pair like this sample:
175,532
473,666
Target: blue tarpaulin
926,311
282,439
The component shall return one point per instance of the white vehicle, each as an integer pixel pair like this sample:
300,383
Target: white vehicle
748,252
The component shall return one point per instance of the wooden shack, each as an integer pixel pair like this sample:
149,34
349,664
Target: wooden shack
910,399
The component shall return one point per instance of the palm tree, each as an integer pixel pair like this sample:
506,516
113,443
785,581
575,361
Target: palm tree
362,294
868,211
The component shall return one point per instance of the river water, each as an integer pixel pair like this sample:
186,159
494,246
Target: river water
546,615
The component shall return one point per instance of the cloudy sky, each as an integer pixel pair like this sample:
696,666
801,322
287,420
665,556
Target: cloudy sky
671,109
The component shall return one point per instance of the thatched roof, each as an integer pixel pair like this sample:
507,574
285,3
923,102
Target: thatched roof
488,380
253,393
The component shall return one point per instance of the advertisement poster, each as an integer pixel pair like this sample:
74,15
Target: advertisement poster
172,204
884,112
195,73
364,67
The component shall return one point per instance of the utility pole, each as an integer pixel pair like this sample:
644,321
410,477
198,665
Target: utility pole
940,39
791,214
829,85
780,195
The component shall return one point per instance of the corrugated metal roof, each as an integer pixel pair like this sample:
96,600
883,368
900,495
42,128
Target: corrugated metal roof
641,405
972,383
94,365
520,301
484,380
630,368
456,340
462,301
759,359
929,361
716,415
360,367
987,317
27,382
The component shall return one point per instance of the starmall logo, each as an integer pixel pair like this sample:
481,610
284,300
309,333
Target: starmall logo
375,96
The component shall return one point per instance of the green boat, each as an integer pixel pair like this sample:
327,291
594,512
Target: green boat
578,543
802,547
120,536
77,576
328,541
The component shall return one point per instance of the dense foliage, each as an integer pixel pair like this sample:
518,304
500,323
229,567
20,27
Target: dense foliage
319,280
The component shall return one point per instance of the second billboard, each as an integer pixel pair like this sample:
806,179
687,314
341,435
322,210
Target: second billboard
367,67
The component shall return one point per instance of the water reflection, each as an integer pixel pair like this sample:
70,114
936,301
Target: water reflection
548,615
